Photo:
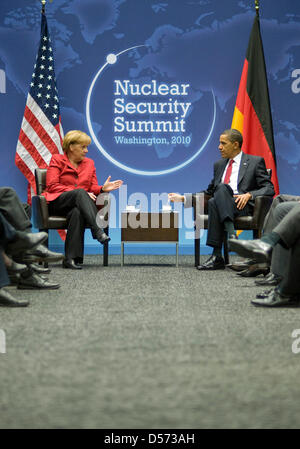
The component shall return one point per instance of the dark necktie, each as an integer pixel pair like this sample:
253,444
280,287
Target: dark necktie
228,172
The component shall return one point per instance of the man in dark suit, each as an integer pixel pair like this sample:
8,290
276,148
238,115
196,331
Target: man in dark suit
281,205
283,244
14,212
14,242
6,299
238,179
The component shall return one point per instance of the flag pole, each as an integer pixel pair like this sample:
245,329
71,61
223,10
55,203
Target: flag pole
43,2
257,7
41,132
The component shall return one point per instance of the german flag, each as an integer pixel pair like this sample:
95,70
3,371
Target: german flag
252,114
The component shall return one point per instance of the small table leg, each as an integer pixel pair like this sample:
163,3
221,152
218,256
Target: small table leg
122,254
177,255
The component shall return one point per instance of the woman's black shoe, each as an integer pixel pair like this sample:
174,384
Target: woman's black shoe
69,263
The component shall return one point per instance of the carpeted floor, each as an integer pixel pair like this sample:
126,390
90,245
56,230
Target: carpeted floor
148,345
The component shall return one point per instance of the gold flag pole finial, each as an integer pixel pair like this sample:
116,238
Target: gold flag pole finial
257,7
43,6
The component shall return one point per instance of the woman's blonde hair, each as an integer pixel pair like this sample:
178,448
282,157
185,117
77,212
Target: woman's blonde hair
75,136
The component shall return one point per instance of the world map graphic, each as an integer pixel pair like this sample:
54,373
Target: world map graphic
200,42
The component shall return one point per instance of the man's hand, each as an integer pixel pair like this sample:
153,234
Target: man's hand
175,198
242,200
109,185
92,196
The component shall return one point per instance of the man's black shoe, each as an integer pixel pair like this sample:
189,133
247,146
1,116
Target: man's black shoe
241,265
276,299
254,270
270,280
256,249
25,241
41,254
35,282
69,263
213,263
15,268
7,300
14,279
264,293
39,269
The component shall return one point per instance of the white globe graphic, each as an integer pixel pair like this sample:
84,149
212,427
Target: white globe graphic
110,60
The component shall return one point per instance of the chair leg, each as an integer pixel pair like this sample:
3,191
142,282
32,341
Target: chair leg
197,252
257,233
105,254
105,250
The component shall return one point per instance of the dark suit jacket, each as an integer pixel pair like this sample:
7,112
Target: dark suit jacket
253,178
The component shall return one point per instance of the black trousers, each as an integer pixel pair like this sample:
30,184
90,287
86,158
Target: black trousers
81,212
272,216
287,258
7,233
13,209
221,207
290,285
281,254
4,279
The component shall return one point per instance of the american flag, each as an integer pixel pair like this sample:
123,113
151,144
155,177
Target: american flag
41,131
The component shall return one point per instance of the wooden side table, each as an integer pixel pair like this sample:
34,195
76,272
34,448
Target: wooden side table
158,227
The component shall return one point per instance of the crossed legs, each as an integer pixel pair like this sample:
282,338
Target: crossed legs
81,212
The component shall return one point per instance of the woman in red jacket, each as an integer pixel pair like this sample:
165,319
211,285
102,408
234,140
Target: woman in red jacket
72,189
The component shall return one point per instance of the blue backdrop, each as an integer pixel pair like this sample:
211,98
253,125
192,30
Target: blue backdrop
154,84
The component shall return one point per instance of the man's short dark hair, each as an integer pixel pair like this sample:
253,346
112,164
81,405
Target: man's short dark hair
234,136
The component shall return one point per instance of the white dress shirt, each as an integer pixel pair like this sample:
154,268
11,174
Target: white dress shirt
235,172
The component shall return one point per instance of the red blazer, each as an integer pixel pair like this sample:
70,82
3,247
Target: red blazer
63,177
